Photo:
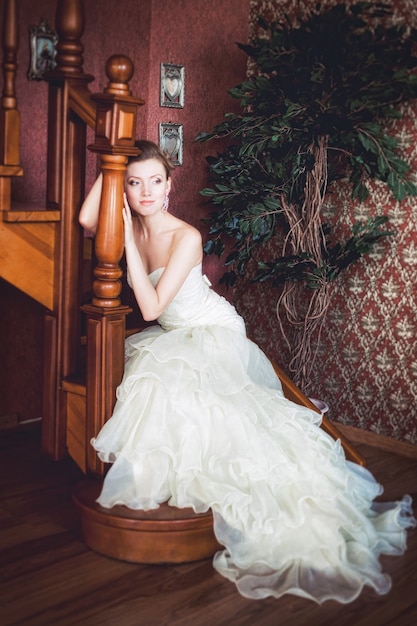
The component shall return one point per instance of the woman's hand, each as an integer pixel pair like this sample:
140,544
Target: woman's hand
128,222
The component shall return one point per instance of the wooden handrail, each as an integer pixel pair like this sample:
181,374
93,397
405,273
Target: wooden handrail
294,393
79,101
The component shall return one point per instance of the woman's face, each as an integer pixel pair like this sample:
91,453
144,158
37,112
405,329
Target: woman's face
146,186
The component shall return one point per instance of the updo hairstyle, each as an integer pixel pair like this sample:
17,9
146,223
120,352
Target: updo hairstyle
149,150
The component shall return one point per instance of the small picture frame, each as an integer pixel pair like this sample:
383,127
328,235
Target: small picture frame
43,42
172,85
171,141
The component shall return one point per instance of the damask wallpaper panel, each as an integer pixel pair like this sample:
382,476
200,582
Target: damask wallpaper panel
366,369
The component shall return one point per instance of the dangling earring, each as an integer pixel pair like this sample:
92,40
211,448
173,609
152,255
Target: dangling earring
165,204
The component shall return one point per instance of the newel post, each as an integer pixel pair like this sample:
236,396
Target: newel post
106,316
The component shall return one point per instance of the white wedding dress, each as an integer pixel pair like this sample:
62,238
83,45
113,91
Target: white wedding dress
201,421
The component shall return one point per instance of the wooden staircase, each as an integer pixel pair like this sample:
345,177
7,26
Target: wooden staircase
41,253
27,233
30,236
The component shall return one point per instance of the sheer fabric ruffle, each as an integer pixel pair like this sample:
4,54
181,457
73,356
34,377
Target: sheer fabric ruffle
201,421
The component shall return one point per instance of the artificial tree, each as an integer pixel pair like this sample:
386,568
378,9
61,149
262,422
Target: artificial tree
316,109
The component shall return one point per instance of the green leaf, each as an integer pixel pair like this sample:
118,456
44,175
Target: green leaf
360,191
335,77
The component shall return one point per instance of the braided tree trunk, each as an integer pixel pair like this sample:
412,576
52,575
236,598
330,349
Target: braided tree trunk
301,311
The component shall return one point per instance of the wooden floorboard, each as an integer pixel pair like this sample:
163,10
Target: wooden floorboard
49,578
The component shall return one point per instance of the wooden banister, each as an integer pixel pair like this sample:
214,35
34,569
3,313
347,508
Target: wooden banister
294,393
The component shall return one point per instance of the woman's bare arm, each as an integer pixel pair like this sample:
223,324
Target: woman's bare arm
88,217
186,253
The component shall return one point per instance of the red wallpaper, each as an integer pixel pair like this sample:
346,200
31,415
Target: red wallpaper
367,366
367,371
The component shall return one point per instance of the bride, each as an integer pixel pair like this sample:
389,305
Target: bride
201,421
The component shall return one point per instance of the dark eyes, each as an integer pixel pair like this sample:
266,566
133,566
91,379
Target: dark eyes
135,181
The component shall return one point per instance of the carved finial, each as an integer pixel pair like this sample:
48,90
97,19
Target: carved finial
69,24
119,69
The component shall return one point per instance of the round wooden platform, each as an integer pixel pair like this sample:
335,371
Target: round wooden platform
165,535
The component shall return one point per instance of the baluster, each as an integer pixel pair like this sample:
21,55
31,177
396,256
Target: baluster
9,117
69,25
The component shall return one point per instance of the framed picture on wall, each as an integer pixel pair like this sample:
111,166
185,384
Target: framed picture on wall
172,85
43,42
170,141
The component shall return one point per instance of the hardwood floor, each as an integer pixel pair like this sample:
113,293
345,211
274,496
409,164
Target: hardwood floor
49,578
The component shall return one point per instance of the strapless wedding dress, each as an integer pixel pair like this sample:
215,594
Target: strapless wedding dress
201,421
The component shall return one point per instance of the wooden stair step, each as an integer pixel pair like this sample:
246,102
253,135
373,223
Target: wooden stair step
10,170
30,212
27,252
75,384
164,535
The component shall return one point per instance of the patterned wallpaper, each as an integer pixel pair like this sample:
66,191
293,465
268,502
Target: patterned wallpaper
367,366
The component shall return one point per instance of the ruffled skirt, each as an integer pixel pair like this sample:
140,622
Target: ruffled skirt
200,421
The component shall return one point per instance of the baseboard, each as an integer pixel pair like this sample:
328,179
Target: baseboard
357,435
9,422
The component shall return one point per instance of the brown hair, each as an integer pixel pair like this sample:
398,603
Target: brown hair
149,150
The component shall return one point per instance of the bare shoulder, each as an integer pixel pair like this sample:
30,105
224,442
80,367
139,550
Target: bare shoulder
187,237
188,232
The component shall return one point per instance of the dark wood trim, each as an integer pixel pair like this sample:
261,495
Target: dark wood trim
359,436
164,535
294,393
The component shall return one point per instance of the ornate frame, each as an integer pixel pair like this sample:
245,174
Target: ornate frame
171,141
43,42
172,85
